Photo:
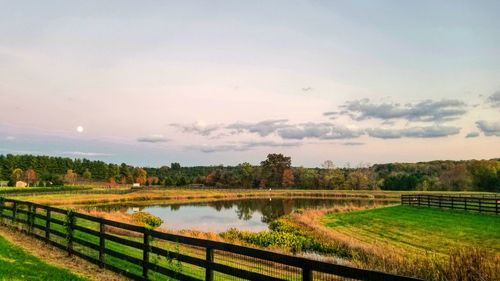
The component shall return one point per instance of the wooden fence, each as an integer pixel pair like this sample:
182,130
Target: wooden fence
143,254
481,204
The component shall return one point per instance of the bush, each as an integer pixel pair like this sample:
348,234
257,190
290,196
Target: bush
284,235
149,220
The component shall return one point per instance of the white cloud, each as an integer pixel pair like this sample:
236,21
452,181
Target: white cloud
85,154
413,132
425,111
489,128
153,139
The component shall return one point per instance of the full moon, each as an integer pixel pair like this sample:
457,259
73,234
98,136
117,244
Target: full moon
79,129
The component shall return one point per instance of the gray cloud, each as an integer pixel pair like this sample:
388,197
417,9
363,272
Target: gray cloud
494,99
489,128
332,115
323,131
263,128
153,139
425,111
472,135
413,132
306,89
196,128
353,143
85,154
243,146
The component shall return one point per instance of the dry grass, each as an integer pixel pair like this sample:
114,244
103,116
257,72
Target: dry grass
116,216
56,257
472,264
164,194
460,264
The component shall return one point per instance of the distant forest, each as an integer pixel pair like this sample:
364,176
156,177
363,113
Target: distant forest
275,171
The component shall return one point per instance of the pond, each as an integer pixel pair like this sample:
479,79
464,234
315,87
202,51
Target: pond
217,216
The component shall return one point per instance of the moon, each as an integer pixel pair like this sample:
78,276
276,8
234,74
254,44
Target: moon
79,129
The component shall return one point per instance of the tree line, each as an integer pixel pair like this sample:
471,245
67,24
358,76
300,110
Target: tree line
275,171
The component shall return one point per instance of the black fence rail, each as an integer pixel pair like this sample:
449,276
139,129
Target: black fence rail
143,254
481,204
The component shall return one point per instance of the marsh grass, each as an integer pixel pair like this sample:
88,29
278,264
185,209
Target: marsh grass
165,194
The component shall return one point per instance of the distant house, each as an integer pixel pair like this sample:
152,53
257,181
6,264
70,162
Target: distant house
21,184
136,185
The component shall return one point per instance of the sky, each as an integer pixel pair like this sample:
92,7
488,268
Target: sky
225,82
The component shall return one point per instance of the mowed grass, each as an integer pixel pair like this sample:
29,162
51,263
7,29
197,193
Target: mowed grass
419,229
17,264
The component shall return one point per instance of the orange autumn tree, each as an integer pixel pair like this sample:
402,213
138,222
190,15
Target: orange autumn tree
70,177
288,178
140,175
30,176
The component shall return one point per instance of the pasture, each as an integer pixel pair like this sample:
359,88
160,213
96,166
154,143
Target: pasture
419,229
17,264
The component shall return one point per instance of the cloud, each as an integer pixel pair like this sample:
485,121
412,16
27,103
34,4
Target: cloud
153,139
85,154
494,99
306,89
10,138
426,111
353,143
413,132
263,128
489,128
332,115
472,135
199,128
243,146
322,131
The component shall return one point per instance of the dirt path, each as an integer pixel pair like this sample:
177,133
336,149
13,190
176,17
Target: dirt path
56,257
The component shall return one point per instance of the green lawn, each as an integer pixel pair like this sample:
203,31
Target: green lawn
17,264
419,228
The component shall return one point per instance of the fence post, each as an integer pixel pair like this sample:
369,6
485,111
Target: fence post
209,274
452,203
480,205
145,255
465,203
496,206
2,204
102,244
70,221
47,224
14,212
307,273
428,200
30,218
418,198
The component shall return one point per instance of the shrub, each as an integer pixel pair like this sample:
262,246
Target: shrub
149,220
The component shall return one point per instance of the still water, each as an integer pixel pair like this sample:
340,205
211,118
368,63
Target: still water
246,214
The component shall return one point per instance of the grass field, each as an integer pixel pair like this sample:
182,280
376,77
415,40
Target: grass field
122,195
419,228
399,239
40,190
16,264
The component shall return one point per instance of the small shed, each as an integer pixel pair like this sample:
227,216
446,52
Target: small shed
21,184
136,185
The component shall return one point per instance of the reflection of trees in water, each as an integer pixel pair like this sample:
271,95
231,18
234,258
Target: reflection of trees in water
271,209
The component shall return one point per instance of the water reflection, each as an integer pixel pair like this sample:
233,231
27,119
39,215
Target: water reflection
217,216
